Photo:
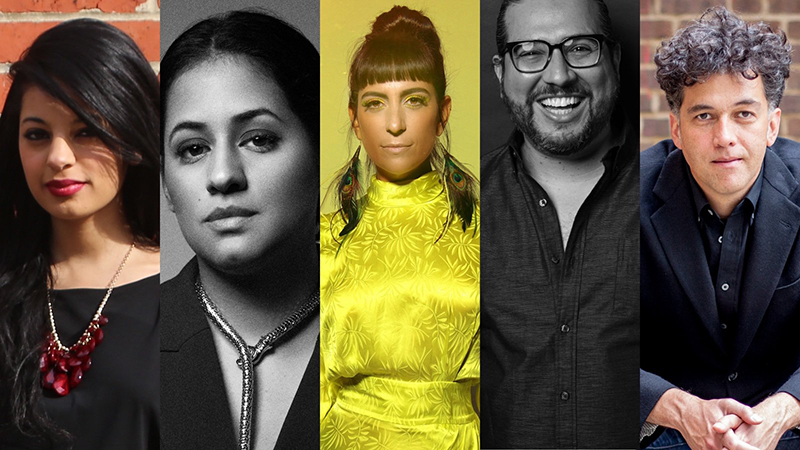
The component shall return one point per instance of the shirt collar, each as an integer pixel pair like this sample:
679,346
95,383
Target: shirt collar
701,202
615,159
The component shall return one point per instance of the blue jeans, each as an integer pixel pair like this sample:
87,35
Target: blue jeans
672,440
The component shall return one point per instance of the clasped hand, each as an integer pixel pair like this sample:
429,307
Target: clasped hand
725,423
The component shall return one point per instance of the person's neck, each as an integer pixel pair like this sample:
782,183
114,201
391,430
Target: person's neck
405,178
257,301
581,166
83,250
724,205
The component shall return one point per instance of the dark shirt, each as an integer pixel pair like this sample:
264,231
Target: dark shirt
725,242
560,329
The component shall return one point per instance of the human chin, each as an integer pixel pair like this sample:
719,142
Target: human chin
560,139
236,254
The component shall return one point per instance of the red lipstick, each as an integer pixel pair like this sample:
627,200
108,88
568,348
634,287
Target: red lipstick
64,188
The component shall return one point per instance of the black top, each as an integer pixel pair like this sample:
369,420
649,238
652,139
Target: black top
725,242
560,329
195,405
116,406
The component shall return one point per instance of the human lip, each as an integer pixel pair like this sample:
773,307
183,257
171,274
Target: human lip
395,146
726,162
561,107
64,187
228,212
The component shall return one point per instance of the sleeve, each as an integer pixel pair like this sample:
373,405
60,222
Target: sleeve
792,385
652,387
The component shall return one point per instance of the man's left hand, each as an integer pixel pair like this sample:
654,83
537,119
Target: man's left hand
781,412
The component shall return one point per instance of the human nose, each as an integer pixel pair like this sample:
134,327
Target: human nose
396,121
724,135
225,172
61,155
558,72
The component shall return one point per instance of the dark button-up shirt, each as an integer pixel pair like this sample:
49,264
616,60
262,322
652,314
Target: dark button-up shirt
725,242
560,328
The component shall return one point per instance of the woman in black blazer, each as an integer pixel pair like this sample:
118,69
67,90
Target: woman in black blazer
240,140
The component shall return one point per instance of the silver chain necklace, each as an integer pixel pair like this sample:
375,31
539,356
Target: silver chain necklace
250,356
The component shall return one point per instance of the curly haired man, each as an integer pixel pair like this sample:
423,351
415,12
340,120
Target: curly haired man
720,247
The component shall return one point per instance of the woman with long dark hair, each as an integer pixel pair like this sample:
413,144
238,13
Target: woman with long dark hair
400,313
79,253
239,353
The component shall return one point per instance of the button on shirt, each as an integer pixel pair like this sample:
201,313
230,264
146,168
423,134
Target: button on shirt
560,331
725,242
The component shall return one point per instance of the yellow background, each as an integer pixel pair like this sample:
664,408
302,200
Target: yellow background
342,26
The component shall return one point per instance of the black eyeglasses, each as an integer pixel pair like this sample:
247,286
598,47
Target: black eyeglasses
578,51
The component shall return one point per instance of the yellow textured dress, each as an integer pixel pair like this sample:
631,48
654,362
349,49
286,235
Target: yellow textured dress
400,321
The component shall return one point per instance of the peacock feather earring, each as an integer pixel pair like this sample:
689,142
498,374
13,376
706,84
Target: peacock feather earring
459,191
350,193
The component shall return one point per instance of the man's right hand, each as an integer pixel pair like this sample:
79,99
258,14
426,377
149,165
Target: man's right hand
694,417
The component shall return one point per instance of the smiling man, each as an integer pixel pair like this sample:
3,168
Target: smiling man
720,259
560,239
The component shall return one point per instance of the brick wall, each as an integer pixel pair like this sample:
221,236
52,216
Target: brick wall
21,21
660,18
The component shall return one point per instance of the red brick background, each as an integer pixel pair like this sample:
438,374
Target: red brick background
21,21
660,18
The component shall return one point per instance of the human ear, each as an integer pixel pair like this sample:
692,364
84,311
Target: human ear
444,114
498,68
354,121
675,130
170,205
774,126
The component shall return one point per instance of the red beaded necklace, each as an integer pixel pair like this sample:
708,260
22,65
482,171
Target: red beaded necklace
63,367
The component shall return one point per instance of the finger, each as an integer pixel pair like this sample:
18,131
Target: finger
732,442
728,422
731,406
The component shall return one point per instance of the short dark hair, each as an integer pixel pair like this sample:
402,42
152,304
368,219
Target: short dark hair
502,31
274,46
722,43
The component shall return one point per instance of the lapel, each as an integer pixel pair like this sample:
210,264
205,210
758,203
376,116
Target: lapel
205,408
300,428
675,225
773,235
186,334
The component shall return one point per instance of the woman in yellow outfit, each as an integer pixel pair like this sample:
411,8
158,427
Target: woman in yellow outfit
400,310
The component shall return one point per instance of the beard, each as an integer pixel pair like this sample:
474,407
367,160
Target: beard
564,143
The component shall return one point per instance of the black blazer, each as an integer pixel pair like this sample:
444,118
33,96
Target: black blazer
682,340
194,405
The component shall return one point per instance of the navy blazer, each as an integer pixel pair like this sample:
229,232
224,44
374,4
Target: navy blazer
682,341
195,412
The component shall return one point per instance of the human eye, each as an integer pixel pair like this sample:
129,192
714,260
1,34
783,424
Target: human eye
417,101
86,132
35,134
259,141
372,104
192,151
746,115
703,117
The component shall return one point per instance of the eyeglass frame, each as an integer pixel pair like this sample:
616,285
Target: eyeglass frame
601,39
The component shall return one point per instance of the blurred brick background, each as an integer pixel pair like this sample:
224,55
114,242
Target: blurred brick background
21,21
660,18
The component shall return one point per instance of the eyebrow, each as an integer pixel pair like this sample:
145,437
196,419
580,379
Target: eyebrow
34,119
402,94
704,107
240,118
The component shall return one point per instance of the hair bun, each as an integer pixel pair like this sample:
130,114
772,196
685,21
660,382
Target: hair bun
403,22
